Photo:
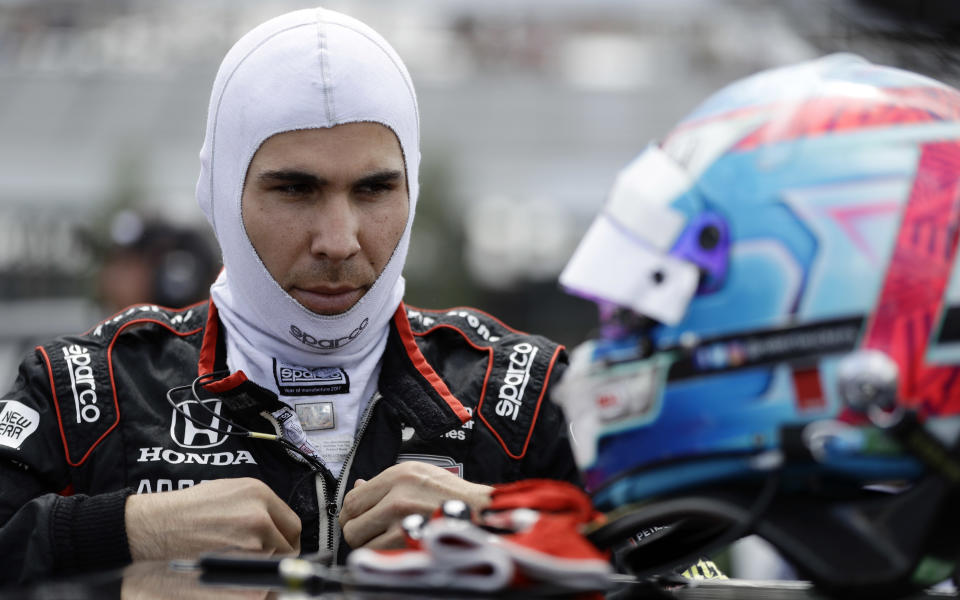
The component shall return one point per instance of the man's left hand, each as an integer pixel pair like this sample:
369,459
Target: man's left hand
373,510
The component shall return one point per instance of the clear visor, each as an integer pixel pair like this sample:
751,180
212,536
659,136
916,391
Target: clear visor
624,258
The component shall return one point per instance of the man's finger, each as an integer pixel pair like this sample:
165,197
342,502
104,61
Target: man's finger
276,542
280,530
362,498
369,524
391,538
287,522
284,520
357,531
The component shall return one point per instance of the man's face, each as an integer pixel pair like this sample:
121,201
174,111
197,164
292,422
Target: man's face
325,208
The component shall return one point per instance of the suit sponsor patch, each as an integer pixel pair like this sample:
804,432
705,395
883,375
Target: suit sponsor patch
293,380
515,379
172,457
82,383
196,425
83,393
17,422
148,486
519,369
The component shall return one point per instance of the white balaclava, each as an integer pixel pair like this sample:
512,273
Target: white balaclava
306,69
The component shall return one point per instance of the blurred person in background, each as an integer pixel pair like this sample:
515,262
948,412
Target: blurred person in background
305,408
153,262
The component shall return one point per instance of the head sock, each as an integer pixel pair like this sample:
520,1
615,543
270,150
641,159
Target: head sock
311,68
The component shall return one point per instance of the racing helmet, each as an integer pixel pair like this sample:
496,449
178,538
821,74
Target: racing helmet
779,346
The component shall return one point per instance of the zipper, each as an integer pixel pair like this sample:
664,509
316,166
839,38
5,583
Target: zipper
326,521
321,476
333,505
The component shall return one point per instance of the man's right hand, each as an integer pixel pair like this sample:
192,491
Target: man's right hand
221,514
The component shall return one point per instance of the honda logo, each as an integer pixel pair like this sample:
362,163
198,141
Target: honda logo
188,434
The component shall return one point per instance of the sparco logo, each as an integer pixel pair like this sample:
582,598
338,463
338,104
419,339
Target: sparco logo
308,340
293,380
188,434
82,383
515,381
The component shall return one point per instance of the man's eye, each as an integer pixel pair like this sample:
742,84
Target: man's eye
374,189
293,189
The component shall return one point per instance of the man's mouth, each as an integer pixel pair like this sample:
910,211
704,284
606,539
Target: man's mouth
331,300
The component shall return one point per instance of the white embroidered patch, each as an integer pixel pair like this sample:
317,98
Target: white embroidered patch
293,380
17,422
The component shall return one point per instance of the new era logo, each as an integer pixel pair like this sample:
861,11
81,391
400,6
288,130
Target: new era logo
17,422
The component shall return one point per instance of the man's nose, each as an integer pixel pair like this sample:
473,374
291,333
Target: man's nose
335,229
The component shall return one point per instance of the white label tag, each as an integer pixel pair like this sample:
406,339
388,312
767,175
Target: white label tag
334,450
316,415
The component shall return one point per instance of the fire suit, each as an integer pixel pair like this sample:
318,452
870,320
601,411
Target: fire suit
89,422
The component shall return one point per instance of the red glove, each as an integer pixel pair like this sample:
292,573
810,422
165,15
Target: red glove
529,536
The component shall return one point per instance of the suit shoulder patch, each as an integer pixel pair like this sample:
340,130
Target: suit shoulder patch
82,393
81,381
519,369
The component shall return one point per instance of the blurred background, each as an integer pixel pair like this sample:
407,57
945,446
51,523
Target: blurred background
529,108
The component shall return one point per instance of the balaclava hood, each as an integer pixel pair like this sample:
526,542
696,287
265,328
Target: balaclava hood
306,69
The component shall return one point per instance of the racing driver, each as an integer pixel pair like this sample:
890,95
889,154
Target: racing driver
304,408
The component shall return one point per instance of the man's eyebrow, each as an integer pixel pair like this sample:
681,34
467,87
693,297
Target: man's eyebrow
385,176
289,175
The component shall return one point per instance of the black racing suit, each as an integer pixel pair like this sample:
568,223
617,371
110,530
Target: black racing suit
88,423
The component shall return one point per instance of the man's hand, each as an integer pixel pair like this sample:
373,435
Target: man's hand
372,510
215,515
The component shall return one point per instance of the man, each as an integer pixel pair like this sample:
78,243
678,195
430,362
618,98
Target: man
305,403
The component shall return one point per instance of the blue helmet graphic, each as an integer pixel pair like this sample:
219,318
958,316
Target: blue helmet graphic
777,287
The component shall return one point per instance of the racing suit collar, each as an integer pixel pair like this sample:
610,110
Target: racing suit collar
213,355
407,381
413,388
